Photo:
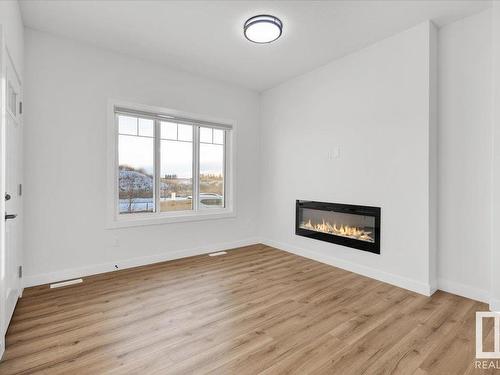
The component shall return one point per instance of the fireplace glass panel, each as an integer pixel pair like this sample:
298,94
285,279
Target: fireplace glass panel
359,227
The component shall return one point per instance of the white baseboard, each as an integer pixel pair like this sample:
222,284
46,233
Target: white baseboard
495,304
2,346
464,290
47,278
413,285
402,282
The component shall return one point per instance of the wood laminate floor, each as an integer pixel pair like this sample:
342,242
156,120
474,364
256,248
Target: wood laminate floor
254,310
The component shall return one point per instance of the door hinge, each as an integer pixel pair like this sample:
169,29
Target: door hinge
20,189
20,271
20,108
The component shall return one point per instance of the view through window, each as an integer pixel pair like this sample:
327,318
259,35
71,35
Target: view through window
168,165
211,168
136,164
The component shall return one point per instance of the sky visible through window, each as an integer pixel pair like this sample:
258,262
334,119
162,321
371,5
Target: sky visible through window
137,152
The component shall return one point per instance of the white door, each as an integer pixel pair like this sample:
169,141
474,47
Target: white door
13,191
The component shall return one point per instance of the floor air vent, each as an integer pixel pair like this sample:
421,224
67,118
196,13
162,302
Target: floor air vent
66,283
217,254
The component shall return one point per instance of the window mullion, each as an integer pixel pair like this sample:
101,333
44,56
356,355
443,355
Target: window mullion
196,168
157,150
224,171
116,165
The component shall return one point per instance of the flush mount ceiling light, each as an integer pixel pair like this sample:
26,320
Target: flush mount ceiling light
263,29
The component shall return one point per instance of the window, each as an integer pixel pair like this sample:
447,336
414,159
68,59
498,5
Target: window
169,167
176,167
211,168
136,165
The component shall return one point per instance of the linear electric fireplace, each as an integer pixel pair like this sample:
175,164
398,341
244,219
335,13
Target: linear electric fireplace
343,224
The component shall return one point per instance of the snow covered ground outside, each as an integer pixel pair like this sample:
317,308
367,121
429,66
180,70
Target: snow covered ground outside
147,204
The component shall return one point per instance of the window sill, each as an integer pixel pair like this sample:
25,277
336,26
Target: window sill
178,217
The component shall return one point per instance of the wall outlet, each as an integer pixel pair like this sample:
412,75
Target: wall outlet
116,242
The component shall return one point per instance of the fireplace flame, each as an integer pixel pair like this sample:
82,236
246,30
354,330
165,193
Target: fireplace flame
343,230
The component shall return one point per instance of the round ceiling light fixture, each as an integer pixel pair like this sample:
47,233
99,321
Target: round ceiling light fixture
263,29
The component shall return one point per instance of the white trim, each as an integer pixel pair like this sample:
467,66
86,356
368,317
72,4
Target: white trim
47,278
174,112
173,217
157,162
463,290
400,281
196,168
114,220
413,285
169,116
3,112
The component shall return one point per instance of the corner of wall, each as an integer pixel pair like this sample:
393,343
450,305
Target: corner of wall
495,213
463,290
495,305
2,346
433,155
94,269
386,277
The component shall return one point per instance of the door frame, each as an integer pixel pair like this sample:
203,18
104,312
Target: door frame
7,63
3,109
13,177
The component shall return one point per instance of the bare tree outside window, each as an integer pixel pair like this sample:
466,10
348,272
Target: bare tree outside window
135,190
136,164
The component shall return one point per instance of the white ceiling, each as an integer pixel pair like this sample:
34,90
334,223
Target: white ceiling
205,37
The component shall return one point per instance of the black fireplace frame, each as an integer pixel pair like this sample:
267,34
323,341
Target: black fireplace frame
373,247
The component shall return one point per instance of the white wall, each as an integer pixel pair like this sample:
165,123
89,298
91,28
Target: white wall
465,151
373,105
495,207
10,19
66,92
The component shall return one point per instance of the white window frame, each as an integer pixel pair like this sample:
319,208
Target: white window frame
115,220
